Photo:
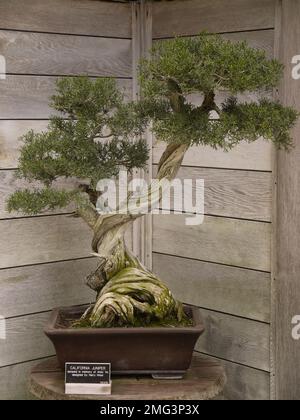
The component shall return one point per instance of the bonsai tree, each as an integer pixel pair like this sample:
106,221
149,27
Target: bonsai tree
93,138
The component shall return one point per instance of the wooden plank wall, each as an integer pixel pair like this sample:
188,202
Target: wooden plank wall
223,266
286,294
44,259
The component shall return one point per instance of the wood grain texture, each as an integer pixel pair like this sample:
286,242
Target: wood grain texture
245,383
204,380
27,97
14,381
236,291
239,243
56,284
51,54
192,16
141,44
25,339
235,339
286,241
43,239
230,193
10,133
248,156
85,17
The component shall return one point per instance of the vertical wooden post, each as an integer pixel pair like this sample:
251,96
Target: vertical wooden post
287,275
141,44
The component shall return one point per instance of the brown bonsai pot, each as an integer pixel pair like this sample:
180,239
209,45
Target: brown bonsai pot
129,350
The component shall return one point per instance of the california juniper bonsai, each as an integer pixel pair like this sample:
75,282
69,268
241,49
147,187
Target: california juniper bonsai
94,138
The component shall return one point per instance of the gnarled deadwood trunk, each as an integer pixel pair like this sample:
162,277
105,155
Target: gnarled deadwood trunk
127,292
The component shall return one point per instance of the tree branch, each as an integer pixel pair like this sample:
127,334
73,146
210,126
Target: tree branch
89,214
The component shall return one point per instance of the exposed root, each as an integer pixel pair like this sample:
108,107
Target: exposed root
134,297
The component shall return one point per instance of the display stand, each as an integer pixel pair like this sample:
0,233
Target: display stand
204,380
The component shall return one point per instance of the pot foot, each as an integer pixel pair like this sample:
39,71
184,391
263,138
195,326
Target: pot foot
167,376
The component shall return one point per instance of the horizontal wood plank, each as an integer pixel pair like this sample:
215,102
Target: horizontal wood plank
51,54
230,193
25,339
43,239
236,291
10,144
235,339
240,243
192,16
56,284
27,97
245,383
14,381
249,156
85,17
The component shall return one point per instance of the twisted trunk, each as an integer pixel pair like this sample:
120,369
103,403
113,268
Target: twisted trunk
127,292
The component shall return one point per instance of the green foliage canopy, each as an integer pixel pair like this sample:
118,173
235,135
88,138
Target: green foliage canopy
92,136
207,64
91,139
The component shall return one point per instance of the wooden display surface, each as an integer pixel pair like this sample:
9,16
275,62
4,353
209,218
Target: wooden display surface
204,380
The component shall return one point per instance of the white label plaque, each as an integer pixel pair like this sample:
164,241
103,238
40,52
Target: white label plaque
88,378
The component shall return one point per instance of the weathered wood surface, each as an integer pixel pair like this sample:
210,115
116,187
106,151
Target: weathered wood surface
286,242
84,17
14,381
245,383
27,97
247,156
240,292
236,339
10,133
204,380
229,193
43,239
54,285
240,243
25,339
192,16
37,240
141,44
51,54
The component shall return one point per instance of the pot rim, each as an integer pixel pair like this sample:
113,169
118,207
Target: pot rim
51,329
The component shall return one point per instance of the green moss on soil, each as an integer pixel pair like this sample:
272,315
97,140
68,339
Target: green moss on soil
141,323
